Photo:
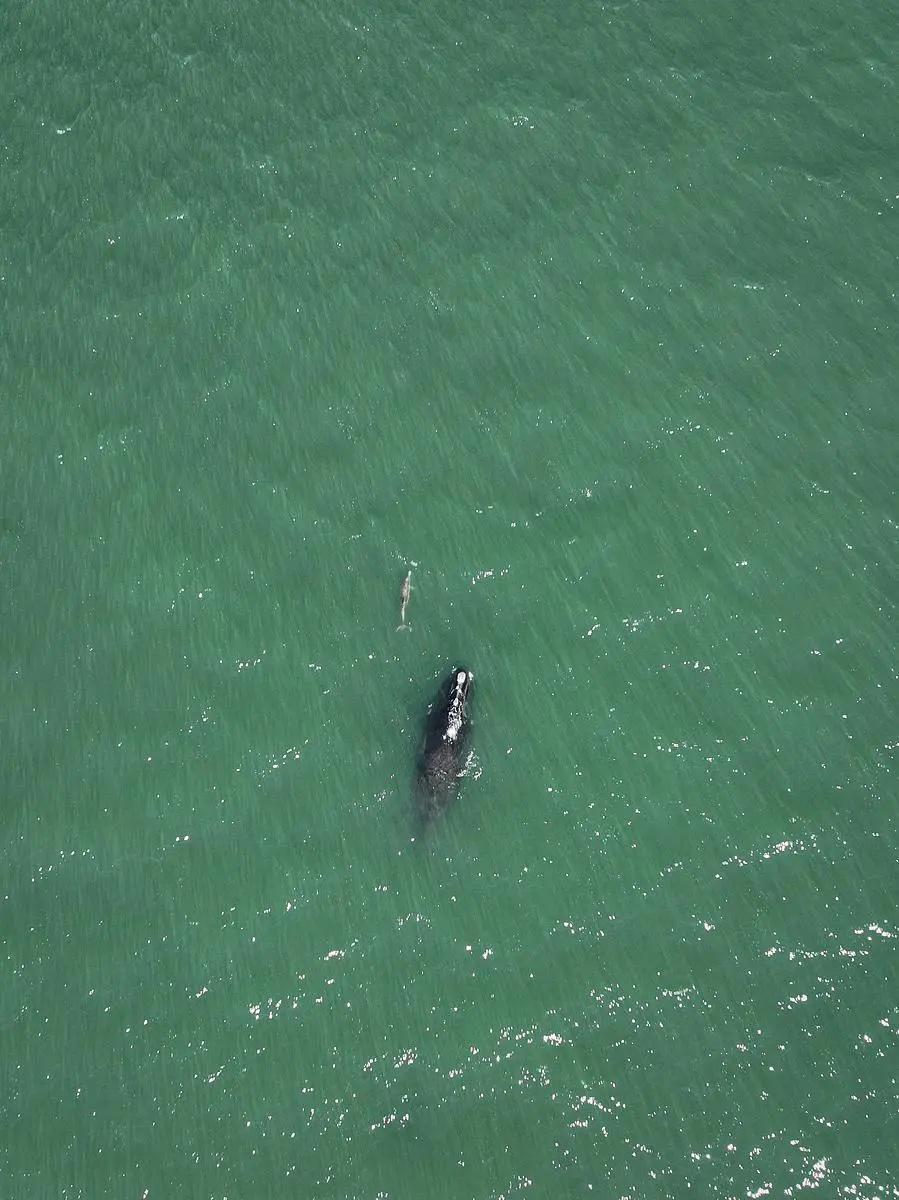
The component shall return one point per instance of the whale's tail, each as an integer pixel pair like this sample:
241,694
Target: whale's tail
399,627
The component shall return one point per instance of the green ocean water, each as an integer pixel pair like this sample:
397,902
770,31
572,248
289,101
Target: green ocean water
588,311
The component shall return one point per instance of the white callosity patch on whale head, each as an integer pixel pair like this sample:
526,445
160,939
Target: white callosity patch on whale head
457,703
454,724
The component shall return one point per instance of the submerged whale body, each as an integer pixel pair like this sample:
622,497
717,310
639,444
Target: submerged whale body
443,749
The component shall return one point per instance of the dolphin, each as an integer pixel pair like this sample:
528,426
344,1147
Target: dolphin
405,593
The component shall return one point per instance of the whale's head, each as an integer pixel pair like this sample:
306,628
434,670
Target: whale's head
443,753
459,688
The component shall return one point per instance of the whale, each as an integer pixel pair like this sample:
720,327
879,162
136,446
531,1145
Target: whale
442,755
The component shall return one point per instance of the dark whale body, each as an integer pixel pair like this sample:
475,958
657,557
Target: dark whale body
443,749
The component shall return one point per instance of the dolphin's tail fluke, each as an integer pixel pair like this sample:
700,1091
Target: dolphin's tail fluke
399,627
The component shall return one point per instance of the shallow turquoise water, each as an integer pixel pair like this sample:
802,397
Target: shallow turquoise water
589,314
